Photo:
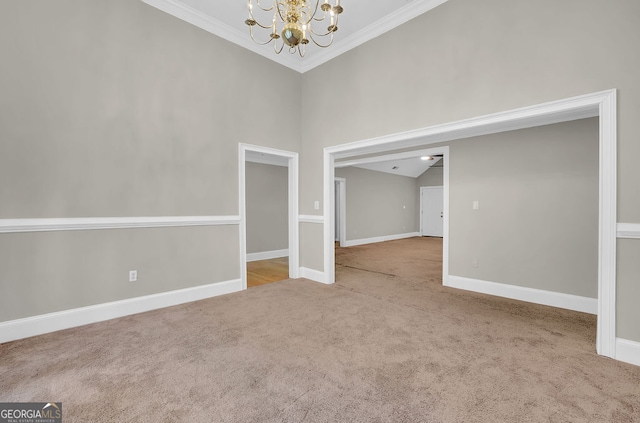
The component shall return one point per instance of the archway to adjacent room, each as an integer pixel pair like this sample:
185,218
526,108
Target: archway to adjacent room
269,157
602,105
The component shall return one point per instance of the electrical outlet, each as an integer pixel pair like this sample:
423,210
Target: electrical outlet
474,262
133,275
316,205
476,205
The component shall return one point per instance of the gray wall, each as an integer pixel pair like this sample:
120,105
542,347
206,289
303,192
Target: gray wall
432,177
379,204
114,108
537,225
469,58
267,207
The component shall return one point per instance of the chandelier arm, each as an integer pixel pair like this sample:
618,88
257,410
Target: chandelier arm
297,17
321,45
320,35
275,48
256,41
279,10
313,15
256,22
263,26
266,10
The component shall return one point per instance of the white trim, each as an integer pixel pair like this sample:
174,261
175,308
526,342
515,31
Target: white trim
607,219
267,255
292,208
310,218
51,322
531,295
371,31
574,108
628,351
628,230
91,223
329,227
385,157
340,45
602,104
312,275
267,159
342,210
363,241
223,30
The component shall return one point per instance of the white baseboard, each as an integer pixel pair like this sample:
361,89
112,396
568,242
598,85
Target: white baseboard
531,295
267,255
312,274
354,242
52,322
628,351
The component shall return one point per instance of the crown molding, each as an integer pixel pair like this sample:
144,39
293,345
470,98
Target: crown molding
216,27
371,31
404,14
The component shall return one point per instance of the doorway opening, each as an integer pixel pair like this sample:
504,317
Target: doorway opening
601,105
432,211
268,202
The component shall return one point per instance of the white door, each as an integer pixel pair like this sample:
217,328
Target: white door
431,211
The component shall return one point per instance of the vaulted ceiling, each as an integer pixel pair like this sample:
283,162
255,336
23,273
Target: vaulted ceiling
361,21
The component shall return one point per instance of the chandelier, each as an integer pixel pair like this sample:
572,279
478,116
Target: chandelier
296,22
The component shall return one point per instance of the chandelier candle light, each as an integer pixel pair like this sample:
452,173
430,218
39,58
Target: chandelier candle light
295,21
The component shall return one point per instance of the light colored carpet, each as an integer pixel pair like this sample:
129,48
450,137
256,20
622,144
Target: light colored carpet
387,343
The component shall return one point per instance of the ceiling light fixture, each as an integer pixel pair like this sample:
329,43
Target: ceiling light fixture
295,19
426,158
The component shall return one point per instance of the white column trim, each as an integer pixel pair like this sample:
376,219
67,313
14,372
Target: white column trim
91,223
607,223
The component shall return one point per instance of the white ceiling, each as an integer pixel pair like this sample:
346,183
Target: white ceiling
406,164
361,21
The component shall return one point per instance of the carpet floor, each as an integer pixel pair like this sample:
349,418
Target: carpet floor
386,343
